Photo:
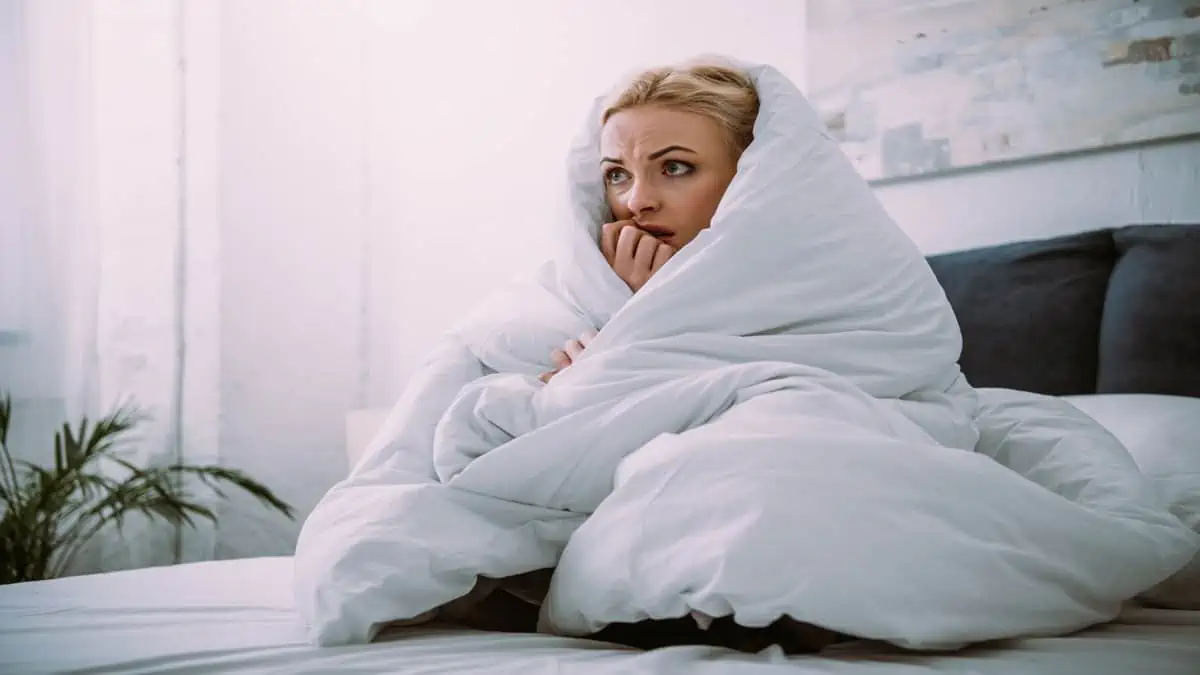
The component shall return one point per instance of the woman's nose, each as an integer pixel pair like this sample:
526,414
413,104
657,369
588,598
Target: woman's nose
642,198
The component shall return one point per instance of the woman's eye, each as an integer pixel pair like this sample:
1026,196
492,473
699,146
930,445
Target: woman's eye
615,176
676,168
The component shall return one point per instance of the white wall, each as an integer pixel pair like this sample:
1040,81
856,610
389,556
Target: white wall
381,166
1152,184
291,182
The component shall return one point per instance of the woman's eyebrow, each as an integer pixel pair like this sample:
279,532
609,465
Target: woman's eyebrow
669,148
653,156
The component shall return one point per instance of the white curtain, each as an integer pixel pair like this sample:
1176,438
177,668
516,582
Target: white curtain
94,181
48,255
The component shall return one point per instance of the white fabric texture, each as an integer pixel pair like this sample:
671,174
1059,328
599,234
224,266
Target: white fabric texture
775,424
1162,434
237,617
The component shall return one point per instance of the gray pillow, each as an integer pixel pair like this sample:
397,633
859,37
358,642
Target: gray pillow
1150,336
1030,312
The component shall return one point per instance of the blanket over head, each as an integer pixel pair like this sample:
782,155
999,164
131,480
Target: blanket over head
774,425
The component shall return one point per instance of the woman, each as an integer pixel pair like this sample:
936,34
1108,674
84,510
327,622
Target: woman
714,256
670,146
770,423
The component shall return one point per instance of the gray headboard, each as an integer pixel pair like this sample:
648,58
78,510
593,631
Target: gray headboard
1107,311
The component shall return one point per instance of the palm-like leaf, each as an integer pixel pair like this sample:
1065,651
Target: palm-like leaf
50,514
9,485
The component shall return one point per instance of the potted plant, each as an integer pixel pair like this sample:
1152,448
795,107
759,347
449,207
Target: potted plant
50,513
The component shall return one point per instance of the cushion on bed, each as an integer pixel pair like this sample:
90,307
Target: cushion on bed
1150,334
1162,433
1030,312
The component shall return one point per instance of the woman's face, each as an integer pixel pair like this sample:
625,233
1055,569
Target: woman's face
666,170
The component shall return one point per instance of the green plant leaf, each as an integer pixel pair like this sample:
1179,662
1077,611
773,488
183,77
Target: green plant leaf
9,485
5,417
50,514
60,458
108,430
90,484
212,473
148,493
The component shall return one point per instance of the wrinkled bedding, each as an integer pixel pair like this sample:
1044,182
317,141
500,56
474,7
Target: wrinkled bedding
774,426
237,616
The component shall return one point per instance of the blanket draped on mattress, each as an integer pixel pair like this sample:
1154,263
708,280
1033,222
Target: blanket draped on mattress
774,425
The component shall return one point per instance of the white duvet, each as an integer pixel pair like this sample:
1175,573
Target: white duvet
775,424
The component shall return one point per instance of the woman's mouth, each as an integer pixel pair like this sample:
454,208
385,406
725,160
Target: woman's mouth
656,231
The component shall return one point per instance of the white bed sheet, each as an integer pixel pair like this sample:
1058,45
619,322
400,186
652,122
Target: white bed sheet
237,616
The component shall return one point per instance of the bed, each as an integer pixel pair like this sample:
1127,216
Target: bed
1108,319
235,616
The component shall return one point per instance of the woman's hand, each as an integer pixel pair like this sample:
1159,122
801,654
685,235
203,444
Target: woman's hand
633,254
567,354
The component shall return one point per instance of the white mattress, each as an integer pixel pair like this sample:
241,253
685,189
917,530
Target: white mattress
236,616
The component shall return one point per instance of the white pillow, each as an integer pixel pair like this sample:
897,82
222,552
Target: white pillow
1162,433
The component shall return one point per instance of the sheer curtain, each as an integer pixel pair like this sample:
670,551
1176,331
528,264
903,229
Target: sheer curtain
93,229
49,251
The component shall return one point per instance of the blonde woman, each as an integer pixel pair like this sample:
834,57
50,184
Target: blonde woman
769,431
670,146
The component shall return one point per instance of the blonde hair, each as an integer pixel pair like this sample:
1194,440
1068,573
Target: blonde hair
706,87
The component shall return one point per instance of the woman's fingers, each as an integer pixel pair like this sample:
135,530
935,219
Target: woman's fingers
567,355
643,258
632,253
661,255
573,349
609,234
627,242
560,358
